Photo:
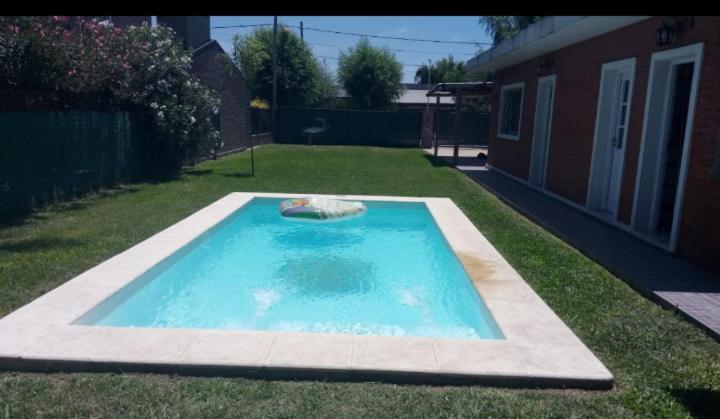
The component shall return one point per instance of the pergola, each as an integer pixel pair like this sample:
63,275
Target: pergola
457,90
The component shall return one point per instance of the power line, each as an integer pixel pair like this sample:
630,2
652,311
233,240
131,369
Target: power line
399,50
241,26
323,45
433,52
338,59
399,38
356,34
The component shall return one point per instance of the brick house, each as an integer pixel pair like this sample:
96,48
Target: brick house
215,70
619,117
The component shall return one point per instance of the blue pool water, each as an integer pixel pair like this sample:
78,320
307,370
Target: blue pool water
389,272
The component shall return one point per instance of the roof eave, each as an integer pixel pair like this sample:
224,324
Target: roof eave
547,35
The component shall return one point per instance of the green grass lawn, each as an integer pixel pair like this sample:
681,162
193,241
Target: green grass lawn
663,366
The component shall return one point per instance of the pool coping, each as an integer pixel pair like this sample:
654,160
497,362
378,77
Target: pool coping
539,350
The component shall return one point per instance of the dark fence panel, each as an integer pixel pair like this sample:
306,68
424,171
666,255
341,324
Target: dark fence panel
259,121
474,127
49,156
350,127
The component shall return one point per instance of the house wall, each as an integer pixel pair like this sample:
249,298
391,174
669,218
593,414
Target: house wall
578,71
234,98
125,21
193,30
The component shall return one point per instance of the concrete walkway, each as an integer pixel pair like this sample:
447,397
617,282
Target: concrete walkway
655,273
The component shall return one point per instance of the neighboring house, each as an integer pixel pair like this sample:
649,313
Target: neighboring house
125,21
413,98
341,96
214,69
613,117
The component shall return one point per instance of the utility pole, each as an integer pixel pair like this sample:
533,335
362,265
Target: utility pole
429,83
273,113
302,37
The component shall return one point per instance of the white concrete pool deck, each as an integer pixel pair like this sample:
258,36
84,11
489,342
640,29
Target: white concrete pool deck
539,350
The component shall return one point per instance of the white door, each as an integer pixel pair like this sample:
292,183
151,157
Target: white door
541,131
664,155
618,128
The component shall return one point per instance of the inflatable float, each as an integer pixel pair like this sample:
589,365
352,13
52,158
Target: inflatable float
321,209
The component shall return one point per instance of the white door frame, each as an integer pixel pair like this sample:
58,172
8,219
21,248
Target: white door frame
690,53
593,183
553,79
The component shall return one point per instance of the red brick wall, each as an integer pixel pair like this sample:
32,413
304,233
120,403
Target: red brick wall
510,155
699,239
234,100
578,70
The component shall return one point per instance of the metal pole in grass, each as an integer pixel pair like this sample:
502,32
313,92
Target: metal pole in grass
252,156
274,80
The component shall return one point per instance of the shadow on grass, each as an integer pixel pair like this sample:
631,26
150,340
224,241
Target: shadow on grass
437,161
18,220
198,172
238,174
34,245
700,403
462,161
62,205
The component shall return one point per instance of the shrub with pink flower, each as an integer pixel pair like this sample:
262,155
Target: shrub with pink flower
129,68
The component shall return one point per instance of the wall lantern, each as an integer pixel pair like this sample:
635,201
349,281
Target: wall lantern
666,34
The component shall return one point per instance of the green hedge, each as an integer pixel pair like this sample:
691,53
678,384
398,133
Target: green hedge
351,127
474,127
50,156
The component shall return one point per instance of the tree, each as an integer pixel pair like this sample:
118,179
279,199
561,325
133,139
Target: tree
327,89
101,67
301,80
503,27
446,70
371,76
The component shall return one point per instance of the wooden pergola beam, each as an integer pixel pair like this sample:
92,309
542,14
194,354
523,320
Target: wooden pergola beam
435,121
458,118
458,91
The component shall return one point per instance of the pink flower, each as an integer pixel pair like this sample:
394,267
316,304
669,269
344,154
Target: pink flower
60,18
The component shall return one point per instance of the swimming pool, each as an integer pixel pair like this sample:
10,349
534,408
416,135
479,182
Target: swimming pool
389,272
410,292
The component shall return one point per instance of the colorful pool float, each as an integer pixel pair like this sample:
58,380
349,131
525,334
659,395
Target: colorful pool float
320,209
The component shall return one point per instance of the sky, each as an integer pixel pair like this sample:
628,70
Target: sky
327,46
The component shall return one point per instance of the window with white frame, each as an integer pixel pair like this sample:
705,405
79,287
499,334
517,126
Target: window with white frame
511,98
